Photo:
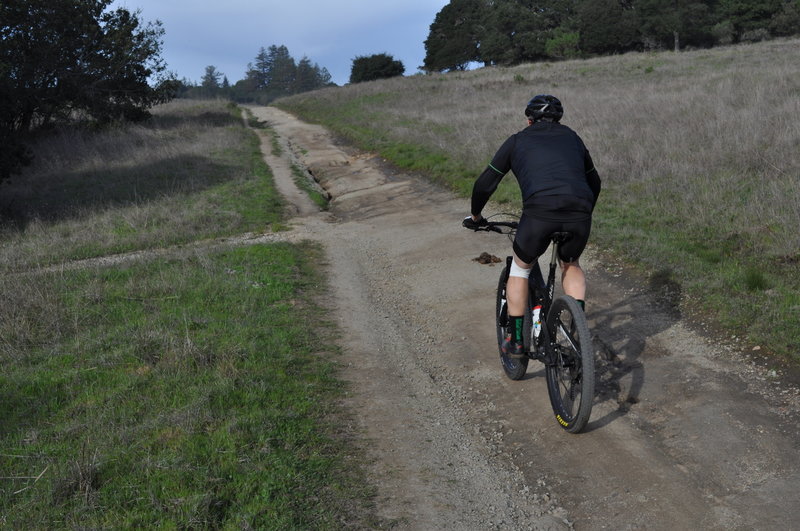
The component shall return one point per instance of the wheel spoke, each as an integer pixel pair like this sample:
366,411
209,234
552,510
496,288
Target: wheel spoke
568,336
571,375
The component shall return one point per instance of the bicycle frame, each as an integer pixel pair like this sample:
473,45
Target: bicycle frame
563,343
538,292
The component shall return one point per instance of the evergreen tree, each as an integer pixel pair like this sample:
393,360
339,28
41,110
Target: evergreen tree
306,77
275,74
282,70
323,76
258,74
210,80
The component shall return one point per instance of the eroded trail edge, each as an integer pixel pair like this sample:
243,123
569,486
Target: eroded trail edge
684,433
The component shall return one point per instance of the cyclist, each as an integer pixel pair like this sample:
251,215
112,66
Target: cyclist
559,187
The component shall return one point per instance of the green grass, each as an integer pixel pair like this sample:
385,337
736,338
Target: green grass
183,178
195,389
180,393
300,177
750,293
303,182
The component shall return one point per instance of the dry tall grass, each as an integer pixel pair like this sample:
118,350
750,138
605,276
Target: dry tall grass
699,154
711,136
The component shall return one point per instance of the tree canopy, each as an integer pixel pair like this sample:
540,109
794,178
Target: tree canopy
506,32
376,66
65,58
273,74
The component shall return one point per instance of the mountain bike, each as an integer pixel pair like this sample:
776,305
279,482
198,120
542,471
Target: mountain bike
555,332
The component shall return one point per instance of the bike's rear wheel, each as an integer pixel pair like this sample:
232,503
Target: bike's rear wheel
514,368
570,372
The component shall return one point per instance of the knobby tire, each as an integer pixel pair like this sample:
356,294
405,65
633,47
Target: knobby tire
570,375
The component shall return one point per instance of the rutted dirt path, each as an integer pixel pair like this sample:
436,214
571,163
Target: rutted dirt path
685,434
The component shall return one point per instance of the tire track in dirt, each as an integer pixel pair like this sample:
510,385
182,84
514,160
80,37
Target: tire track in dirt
685,433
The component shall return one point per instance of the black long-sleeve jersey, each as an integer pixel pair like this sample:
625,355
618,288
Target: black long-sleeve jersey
548,159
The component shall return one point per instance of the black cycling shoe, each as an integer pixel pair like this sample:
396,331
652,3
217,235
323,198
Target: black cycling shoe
512,349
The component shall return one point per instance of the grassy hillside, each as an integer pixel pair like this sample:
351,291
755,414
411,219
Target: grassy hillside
184,390
699,154
193,172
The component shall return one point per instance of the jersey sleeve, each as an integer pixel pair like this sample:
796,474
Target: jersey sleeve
592,177
488,181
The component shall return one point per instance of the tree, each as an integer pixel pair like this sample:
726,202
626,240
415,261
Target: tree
310,76
563,44
675,23
210,80
502,32
59,58
749,15
323,76
282,70
518,30
258,75
786,21
275,74
455,36
607,26
377,66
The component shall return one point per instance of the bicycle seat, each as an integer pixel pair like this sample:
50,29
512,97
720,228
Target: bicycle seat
561,237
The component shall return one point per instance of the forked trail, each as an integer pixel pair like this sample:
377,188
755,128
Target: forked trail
684,434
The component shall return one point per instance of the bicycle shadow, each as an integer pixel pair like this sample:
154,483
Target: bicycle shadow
620,334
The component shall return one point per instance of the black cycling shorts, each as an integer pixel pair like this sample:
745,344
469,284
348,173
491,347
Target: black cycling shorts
533,235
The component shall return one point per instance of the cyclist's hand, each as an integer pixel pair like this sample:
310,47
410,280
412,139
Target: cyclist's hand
474,225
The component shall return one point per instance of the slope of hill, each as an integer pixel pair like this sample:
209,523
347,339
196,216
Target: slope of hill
698,152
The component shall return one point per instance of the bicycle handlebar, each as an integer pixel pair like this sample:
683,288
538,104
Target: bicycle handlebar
495,226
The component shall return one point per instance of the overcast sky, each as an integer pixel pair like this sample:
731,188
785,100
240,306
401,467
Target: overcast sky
229,33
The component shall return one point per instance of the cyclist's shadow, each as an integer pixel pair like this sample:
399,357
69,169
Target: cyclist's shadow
620,335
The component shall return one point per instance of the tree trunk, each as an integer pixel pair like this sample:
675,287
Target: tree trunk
677,41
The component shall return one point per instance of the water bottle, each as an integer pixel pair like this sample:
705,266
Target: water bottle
537,320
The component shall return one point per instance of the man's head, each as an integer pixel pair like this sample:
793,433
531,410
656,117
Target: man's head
544,107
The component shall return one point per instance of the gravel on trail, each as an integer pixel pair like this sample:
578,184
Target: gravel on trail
687,432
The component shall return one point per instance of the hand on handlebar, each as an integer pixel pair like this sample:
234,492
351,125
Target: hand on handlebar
474,225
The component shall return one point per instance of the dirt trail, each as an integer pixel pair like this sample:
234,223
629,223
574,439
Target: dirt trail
685,434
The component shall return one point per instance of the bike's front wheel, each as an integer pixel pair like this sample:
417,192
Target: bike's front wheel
570,369
514,368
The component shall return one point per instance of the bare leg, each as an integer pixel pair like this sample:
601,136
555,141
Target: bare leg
572,280
517,291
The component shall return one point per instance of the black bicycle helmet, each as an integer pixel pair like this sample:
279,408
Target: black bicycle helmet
544,107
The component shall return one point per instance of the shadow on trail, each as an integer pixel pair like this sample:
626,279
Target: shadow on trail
620,336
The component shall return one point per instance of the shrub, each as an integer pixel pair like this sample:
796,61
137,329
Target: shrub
756,35
372,67
723,32
564,45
